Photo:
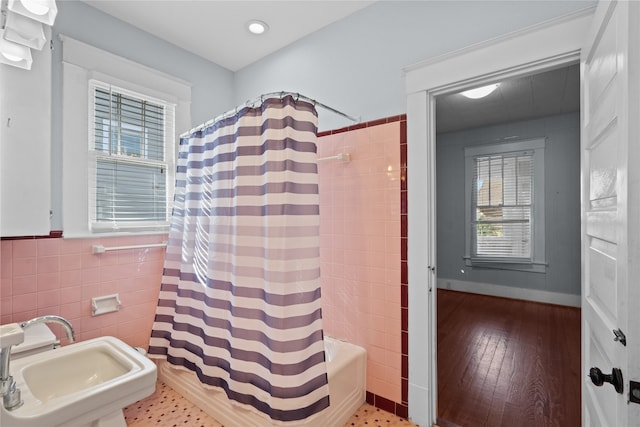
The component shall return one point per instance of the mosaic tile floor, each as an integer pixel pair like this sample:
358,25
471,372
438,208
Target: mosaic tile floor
166,408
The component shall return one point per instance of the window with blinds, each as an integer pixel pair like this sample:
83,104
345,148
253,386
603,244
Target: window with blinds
131,160
502,206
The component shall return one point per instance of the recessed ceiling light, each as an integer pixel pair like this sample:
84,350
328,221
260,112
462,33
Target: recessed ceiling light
480,92
257,27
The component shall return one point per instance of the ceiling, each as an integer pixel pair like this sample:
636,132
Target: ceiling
215,30
548,93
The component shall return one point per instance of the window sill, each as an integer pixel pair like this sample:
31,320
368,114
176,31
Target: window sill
529,267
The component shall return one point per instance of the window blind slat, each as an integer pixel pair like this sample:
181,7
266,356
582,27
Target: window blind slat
131,172
501,200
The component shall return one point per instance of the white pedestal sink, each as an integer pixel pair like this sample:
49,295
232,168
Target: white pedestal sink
83,384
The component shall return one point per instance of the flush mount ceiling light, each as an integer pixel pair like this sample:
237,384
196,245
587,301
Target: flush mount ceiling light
14,54
257,27
480,92
44,11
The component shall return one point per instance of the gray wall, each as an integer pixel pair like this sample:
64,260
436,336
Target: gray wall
212,85
355,64
562,204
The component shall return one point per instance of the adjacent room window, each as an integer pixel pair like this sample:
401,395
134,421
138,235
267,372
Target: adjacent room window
131,159
505,204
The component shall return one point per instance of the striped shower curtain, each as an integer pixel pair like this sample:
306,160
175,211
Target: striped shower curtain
240,298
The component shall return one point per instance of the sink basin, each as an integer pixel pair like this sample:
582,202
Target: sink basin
80,383
78,371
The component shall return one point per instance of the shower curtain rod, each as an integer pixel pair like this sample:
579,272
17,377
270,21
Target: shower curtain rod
260,98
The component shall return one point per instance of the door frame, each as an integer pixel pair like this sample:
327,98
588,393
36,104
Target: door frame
542,47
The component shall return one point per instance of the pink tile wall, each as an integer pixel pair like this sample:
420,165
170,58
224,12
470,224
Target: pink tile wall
360,255
60,276
360,248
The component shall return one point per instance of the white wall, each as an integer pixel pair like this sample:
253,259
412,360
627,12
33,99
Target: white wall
355,65
562,205
212,85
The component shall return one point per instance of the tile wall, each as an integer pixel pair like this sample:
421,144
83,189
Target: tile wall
363,256
60,276
361,249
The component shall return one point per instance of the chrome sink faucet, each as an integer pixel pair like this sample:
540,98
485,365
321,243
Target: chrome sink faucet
11,397
68,328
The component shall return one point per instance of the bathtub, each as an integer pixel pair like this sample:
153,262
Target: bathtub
346,371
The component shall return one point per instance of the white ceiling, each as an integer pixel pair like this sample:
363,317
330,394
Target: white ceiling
539,95
215,30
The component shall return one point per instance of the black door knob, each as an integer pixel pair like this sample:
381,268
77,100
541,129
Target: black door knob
615,379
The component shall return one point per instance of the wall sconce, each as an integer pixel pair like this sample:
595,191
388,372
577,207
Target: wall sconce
44,11
14,54
25,31
21,29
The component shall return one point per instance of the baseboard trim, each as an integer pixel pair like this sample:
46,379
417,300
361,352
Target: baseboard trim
510,292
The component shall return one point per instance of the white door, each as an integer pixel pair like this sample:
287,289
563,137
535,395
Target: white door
610,214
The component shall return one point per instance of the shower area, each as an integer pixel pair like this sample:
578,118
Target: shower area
246,326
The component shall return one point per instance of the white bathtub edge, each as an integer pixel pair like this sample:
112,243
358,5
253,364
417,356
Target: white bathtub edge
220,408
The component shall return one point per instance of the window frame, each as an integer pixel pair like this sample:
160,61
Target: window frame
82,63
94,155
537,261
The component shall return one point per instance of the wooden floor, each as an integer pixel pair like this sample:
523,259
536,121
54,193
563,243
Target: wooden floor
504,362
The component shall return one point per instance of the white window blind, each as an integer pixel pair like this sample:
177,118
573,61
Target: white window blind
131,160
502,206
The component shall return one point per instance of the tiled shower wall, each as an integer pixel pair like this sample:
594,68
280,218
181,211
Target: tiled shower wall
60,276
363,254
360,241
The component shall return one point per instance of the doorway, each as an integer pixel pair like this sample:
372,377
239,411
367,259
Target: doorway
538,49
498,353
